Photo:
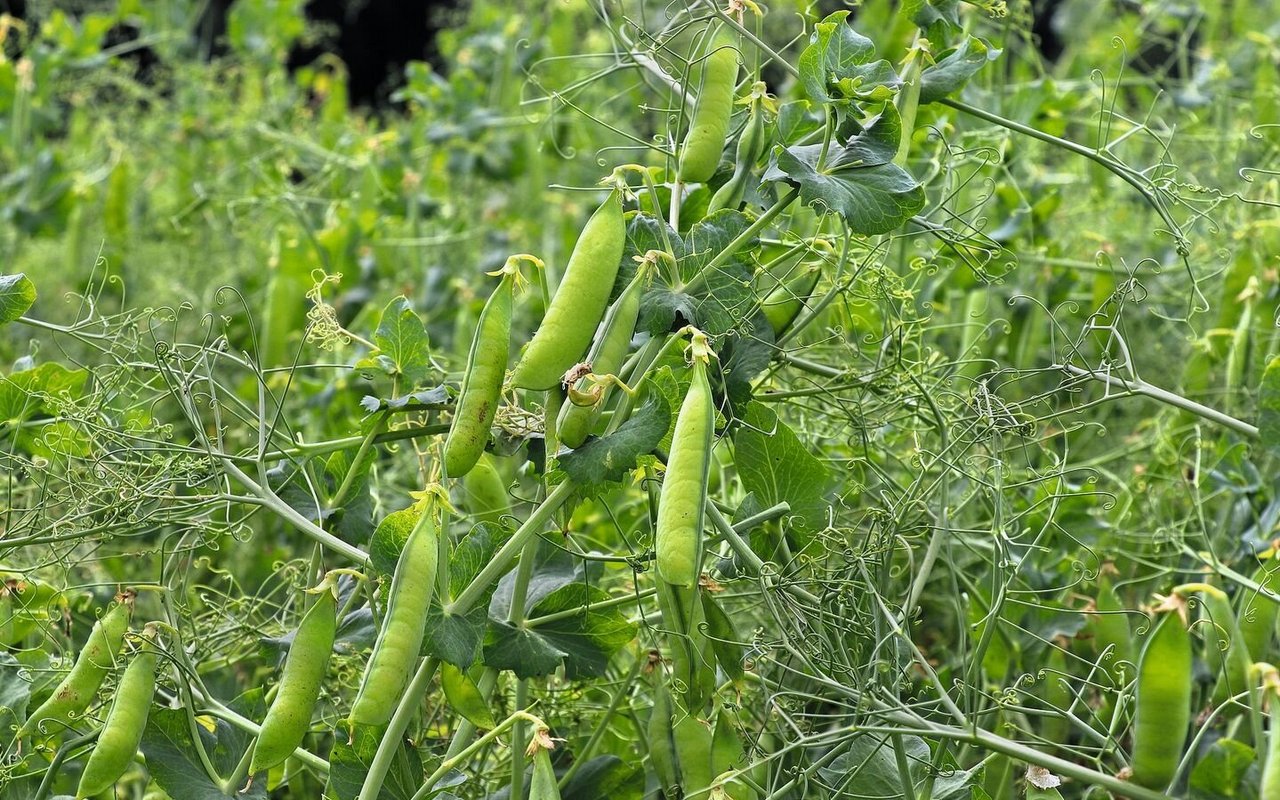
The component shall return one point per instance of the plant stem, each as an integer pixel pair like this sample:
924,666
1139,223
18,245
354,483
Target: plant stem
1138,386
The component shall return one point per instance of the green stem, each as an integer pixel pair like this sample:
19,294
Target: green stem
743,238
1137,386
390,744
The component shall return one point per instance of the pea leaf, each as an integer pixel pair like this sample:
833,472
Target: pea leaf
609,458
17,294
715,300
349,762
954,68
39,390
403,349
584,641
605,776
1269,405
456,638
171,754
1222,773
839,59
871,199
775,465
389,538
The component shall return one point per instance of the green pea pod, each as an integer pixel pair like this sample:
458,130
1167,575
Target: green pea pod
678,540
1270,786
700,154
542,786
693,741
1163,703
784,304
1257,617
662,754
289,717
1112,639
1224,649
76,691
485,490
399,640
482,383
579,302
750,144
122,730
608,352
726,744
1057,697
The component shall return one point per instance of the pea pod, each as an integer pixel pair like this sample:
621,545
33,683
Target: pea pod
700,153
122,731
485,491
76,691
726,744
1270,785
289,717
1225,651
785,303
579,302
542,786
1163,703
693,741
1257,617
396,649
612,341
750,144
482,383
1112,639
678,540
662,754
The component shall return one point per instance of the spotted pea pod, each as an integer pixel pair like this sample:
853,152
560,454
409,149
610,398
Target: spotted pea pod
482,383
704,143
608,351
289,717
395,651
1163,702
121,734
74,693
579,302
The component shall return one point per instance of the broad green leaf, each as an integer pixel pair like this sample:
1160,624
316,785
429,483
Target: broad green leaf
869,768
778,467
1223,773
389,538
605,776
353,517
798,119
610,457
403,350
38,390
1269,405
455,638
954,68
17,294
584,641
465,698
349,762
715,301
926,13
171,754
838,61
871,199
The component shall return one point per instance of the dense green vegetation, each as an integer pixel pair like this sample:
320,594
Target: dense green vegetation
925,445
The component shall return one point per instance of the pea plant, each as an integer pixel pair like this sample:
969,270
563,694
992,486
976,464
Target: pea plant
824,465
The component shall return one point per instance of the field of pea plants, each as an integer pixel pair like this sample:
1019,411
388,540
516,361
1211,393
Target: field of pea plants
697,400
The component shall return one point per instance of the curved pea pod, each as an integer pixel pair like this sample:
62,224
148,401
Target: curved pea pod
693,741
704,143
482,383
1269,788
750,145
289,717
76,690
396,649
1224,649
1163,703
485,491
579,302
1112,638
122,730
1257,617
662,754
784,304
678,539
608,352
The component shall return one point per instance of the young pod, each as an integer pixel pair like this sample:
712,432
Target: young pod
542,785
1270,785
693,740
485,491
1224,648
1112,639
662,753
750,144
678,539
122,731
784,304
399,640
76,690
607,354
1257,617
700,153
1163,704
482,382
289,717
579,302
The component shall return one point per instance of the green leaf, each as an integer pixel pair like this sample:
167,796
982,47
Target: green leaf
171,754
349,762
609,458
584,641
869,768
456,638
954,68
389,538
871,199
605,776
17,294
778,467
836,52
1222,773
38,391
463,694
721,298
798,119
353,517
1269,405
403,349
